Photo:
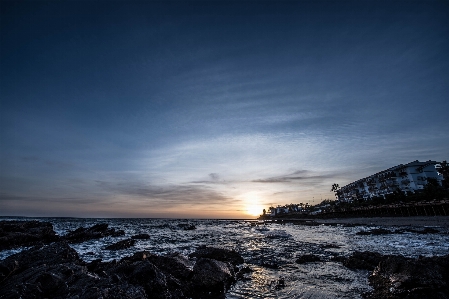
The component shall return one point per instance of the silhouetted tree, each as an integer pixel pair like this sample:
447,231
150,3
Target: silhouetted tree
433,190
443,168
335,188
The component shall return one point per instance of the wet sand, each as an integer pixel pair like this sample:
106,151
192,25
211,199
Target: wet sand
436,221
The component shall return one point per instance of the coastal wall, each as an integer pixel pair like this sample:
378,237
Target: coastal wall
434,208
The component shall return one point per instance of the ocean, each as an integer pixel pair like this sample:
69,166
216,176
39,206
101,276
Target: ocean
269,249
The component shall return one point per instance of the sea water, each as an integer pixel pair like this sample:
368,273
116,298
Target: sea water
269,249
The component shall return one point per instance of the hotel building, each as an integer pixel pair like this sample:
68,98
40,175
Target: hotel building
406,178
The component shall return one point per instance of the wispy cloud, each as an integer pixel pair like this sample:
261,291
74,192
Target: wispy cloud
299,175
166,195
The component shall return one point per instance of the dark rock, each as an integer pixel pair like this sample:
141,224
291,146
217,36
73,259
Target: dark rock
141,237
56,271
93,265
59,252
151,278
338,258
308,258
245,270
218,254
365,260
375,231
95,232
212,276
25,233
241,273
280,284
187,226
399,277
139,256
270,264
41,272
124,244
174,264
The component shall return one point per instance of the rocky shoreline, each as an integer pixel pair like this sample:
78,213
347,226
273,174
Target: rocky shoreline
52,269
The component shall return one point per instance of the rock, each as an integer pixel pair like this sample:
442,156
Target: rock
270,264
56,271
151,278
59,252
218,254
95,232
174,264
139,256
25,233
187,226
212,276
124,244
40,272
240,275
141,237
308,258
365,260
280,284
400,277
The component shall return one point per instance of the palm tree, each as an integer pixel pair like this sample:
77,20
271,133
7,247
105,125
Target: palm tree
335,187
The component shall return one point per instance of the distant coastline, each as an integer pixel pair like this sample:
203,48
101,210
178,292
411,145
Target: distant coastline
411,209
418,221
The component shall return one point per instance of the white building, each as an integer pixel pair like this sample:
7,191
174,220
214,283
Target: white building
406,178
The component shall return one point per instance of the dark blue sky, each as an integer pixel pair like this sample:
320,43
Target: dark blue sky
211,109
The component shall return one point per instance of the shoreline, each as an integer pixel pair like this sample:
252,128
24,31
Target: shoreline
420,221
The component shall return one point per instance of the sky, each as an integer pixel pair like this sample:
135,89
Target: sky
213,109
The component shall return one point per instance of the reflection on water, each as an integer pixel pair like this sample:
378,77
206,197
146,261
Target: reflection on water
269,250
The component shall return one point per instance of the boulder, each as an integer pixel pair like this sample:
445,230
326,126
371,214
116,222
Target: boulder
365,260
212,276
150,277
56,271
25,233
308,258
141,237
97,231
270,263
399,277
218,254
187,226
124,244
41,272
175,264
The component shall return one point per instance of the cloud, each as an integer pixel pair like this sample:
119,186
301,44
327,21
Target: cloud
30,199
214,176
166,195
308,176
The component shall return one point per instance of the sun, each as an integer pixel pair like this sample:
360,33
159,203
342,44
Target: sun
252,203
254,210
